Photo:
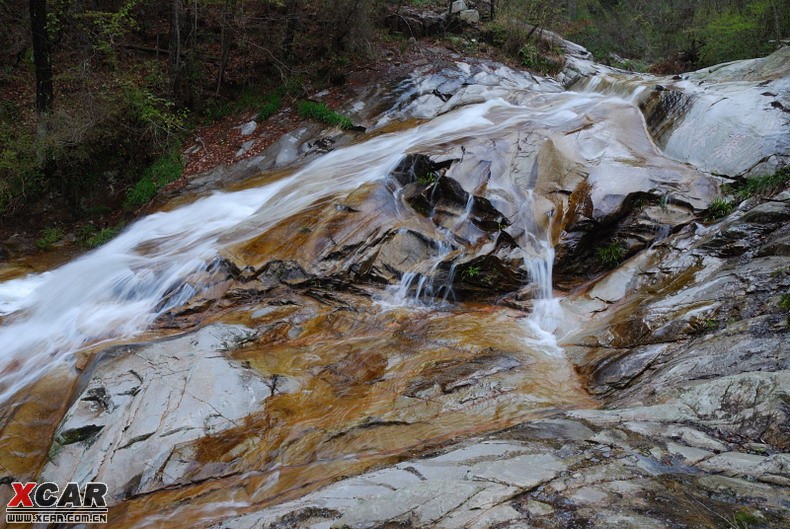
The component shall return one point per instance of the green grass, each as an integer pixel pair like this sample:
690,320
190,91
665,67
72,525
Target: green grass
102,236
322,113
89,237
719,208
164,170
270,107
632,65
784,302
765,185
265,101
611,255
49,236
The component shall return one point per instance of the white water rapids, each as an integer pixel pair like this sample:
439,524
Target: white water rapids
115,291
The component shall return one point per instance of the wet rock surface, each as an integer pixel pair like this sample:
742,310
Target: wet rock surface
728,119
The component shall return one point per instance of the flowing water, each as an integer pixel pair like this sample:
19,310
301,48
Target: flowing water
116,290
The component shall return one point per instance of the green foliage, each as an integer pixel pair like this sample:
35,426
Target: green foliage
108,27
784,301
686,35
534,59
719,208
470,272
49,237
320,112
156,115
736,33
428,178
21,176
165,170
102,236
611,255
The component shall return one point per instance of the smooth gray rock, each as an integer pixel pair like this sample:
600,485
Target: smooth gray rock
248,128
143,401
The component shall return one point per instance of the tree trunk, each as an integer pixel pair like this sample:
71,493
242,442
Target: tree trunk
175,46
291,23
42,55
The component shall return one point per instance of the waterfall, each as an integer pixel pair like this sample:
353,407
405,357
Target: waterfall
538,254
419,286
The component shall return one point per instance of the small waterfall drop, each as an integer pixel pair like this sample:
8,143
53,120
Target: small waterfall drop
538,254
423,286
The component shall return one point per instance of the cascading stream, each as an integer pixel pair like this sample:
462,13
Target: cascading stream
115,291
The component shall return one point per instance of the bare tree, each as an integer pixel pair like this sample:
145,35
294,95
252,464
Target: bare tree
42,55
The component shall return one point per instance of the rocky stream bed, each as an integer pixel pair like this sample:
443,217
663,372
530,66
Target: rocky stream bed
413,326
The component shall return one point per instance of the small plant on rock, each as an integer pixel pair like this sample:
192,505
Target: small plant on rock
611,255
719,208
470,272
428,178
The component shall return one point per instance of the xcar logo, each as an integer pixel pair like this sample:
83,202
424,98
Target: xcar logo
46,503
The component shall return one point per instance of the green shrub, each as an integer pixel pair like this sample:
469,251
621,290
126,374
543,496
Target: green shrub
21,177
611,255
164,170
49,237
320,112
719,208
156,115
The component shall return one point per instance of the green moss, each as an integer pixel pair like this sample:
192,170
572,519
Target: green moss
611,255
784,301
322,113
49,237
